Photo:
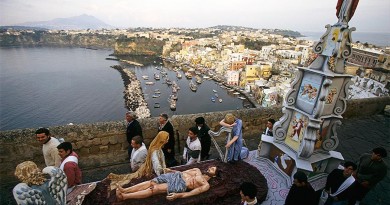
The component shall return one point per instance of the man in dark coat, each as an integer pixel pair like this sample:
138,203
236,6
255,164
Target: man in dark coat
169,148
301,192
204,137
133,129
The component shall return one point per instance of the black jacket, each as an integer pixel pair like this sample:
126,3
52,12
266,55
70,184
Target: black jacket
133,129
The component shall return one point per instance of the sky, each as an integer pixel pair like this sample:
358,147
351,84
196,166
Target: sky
297,15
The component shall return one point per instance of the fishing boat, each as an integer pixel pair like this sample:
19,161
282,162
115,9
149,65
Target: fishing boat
156,105
198,79
149,83
168,81
156,76
188,75
212,99
172,104
156,96
145,77
206,77
242,98
214,91
157,91
178,75
220,100
193,87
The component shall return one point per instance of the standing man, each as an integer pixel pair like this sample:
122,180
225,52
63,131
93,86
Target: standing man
301,192
248,192
192,149
169,148
338,184
270,125
138,154
69,164
371,170
204,137
133,129
49,147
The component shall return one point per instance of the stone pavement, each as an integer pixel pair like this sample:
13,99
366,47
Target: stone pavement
357,136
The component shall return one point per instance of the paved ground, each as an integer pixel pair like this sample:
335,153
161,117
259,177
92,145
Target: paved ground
357,136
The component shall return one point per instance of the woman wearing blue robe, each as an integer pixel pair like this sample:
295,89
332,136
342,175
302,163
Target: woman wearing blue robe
235,143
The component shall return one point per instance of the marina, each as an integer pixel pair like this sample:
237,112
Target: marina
180,91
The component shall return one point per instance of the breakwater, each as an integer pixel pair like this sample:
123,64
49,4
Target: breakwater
134,98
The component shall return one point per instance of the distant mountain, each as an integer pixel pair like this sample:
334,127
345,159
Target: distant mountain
73,23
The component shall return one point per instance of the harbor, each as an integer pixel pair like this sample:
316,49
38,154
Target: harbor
165,90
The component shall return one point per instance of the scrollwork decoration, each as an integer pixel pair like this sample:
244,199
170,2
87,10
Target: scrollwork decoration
332,141
319,47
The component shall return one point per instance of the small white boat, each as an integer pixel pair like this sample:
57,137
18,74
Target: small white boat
145,77
236,93
156,105
155,96
214,91
242,98
220,100
212,99
206,77
149,83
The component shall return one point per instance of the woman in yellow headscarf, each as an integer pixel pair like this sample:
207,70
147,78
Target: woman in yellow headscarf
155,161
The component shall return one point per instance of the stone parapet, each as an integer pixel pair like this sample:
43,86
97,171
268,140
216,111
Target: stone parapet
104,143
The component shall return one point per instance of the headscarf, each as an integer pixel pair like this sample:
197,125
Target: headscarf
28,172
146,169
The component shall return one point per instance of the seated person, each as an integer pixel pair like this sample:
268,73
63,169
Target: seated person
174,183
138,153
155,162
192,148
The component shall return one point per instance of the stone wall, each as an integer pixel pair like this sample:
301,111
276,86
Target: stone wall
104,144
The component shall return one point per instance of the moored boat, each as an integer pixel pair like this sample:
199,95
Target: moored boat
193,87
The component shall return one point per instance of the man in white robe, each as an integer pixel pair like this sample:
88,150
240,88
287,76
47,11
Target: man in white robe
192,148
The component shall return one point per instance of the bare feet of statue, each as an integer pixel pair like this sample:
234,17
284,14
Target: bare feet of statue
120,188
119,196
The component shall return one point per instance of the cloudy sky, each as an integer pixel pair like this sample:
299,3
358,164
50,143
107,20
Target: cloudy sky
299,15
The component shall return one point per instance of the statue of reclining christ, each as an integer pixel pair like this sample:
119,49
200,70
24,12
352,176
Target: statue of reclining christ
174,183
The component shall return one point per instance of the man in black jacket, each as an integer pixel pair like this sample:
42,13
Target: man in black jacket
301,192
169,148
133,129
204,137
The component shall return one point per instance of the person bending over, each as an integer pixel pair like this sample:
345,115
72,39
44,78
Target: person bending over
174,183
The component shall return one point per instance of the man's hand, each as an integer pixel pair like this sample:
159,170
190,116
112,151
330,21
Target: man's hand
167,170
173,196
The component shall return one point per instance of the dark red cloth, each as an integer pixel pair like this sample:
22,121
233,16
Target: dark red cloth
353,8
223,190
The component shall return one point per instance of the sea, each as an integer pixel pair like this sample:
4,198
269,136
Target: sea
51,86
378,39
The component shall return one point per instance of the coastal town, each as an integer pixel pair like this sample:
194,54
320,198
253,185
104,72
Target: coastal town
258,63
